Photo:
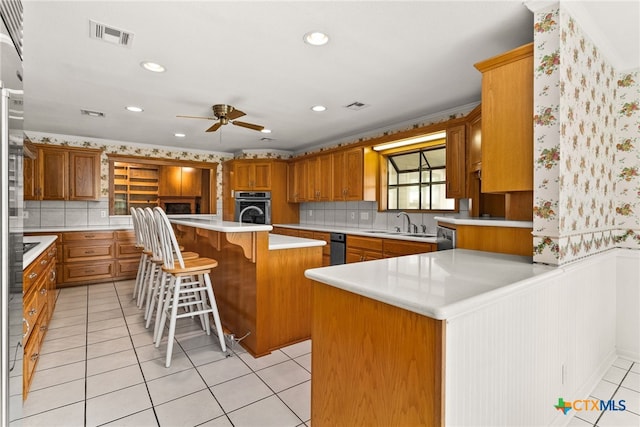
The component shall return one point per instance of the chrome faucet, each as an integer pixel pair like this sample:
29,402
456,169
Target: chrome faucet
247,209
408,220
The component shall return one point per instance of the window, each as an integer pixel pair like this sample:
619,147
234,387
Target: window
417,180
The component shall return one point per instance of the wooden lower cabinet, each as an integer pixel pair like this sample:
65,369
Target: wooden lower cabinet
87,257
505,240
39,285
374,364
369,248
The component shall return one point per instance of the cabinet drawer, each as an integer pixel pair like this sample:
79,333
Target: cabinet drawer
127,267
364,243
125,235
86,252
127,250
87,235
31,357
36,269
88,272
402,247
29,314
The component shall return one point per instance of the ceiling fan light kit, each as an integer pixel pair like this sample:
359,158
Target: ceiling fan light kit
225,114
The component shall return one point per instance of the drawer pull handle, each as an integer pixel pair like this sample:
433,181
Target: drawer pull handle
28,327
43,291
44,262
43,328
33,275
89,251
89,236
34,357
89,271
32,311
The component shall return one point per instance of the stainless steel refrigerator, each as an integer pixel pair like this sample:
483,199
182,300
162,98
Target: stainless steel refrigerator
11,205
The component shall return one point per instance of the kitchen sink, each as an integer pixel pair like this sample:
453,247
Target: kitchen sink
400,233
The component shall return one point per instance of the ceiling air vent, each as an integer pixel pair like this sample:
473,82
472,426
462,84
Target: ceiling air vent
92,113
110,34
356,106
266,139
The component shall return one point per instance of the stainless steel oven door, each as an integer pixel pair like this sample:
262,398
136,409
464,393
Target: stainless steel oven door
251,211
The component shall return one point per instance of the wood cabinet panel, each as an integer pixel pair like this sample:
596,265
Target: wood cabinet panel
83,166
39,284
506,240
88,272
180,181
62,173
363,249
394,248
391,358
456,162
54,166
253,176
355,174
507,121
82,236
320,173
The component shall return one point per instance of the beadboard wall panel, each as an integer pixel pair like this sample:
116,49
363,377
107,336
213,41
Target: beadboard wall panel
509,362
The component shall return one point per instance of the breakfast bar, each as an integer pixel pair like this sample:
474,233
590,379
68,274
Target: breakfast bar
263,297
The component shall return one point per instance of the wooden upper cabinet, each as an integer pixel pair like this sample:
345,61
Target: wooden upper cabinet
54,176
474,140
180,181
62,173
319,169
297,178
507,121
252,176
354,174
456,162
83,168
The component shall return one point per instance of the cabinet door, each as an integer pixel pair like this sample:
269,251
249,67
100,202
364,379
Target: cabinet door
191,182
353,174
507,121
170,181
84,176
301,176
54,172
474,144
261,176
31,178
456,162
242,176
323,178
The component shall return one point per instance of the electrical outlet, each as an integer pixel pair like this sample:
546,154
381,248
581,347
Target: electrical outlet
103,214
353,215
310,214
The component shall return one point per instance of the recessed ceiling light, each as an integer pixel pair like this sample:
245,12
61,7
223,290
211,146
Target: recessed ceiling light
318,108
179,135
266,130
152,66
134,109
316,38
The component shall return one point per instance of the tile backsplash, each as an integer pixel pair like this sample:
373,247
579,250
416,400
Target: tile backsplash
366,215
53,213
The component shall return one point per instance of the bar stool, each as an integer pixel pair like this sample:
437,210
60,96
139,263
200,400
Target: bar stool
139,226
189,287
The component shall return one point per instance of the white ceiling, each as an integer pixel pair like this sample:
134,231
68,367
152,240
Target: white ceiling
406,60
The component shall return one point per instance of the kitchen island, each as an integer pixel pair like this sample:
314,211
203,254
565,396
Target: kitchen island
379,331
259,284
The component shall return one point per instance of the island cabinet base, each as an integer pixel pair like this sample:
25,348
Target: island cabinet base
374,364
260,293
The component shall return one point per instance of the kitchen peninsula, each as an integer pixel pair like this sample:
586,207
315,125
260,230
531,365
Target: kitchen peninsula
259,284
383,332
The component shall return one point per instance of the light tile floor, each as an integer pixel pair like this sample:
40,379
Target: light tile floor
98,366
621,382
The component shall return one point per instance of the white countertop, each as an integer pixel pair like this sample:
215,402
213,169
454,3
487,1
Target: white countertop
66,228
486,221
216,224
31,255
279,241
384,234
439,285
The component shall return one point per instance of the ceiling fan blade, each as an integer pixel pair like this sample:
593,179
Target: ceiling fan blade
197,117
214,127
235,114
248,125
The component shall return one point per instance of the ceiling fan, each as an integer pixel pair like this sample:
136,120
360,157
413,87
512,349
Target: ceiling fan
225,114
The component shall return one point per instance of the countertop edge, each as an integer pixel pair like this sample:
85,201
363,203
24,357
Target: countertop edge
358,232
495,222
34,253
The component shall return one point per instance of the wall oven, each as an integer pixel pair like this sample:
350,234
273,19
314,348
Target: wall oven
254,206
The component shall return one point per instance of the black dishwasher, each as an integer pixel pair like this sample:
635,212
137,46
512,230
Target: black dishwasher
338,248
